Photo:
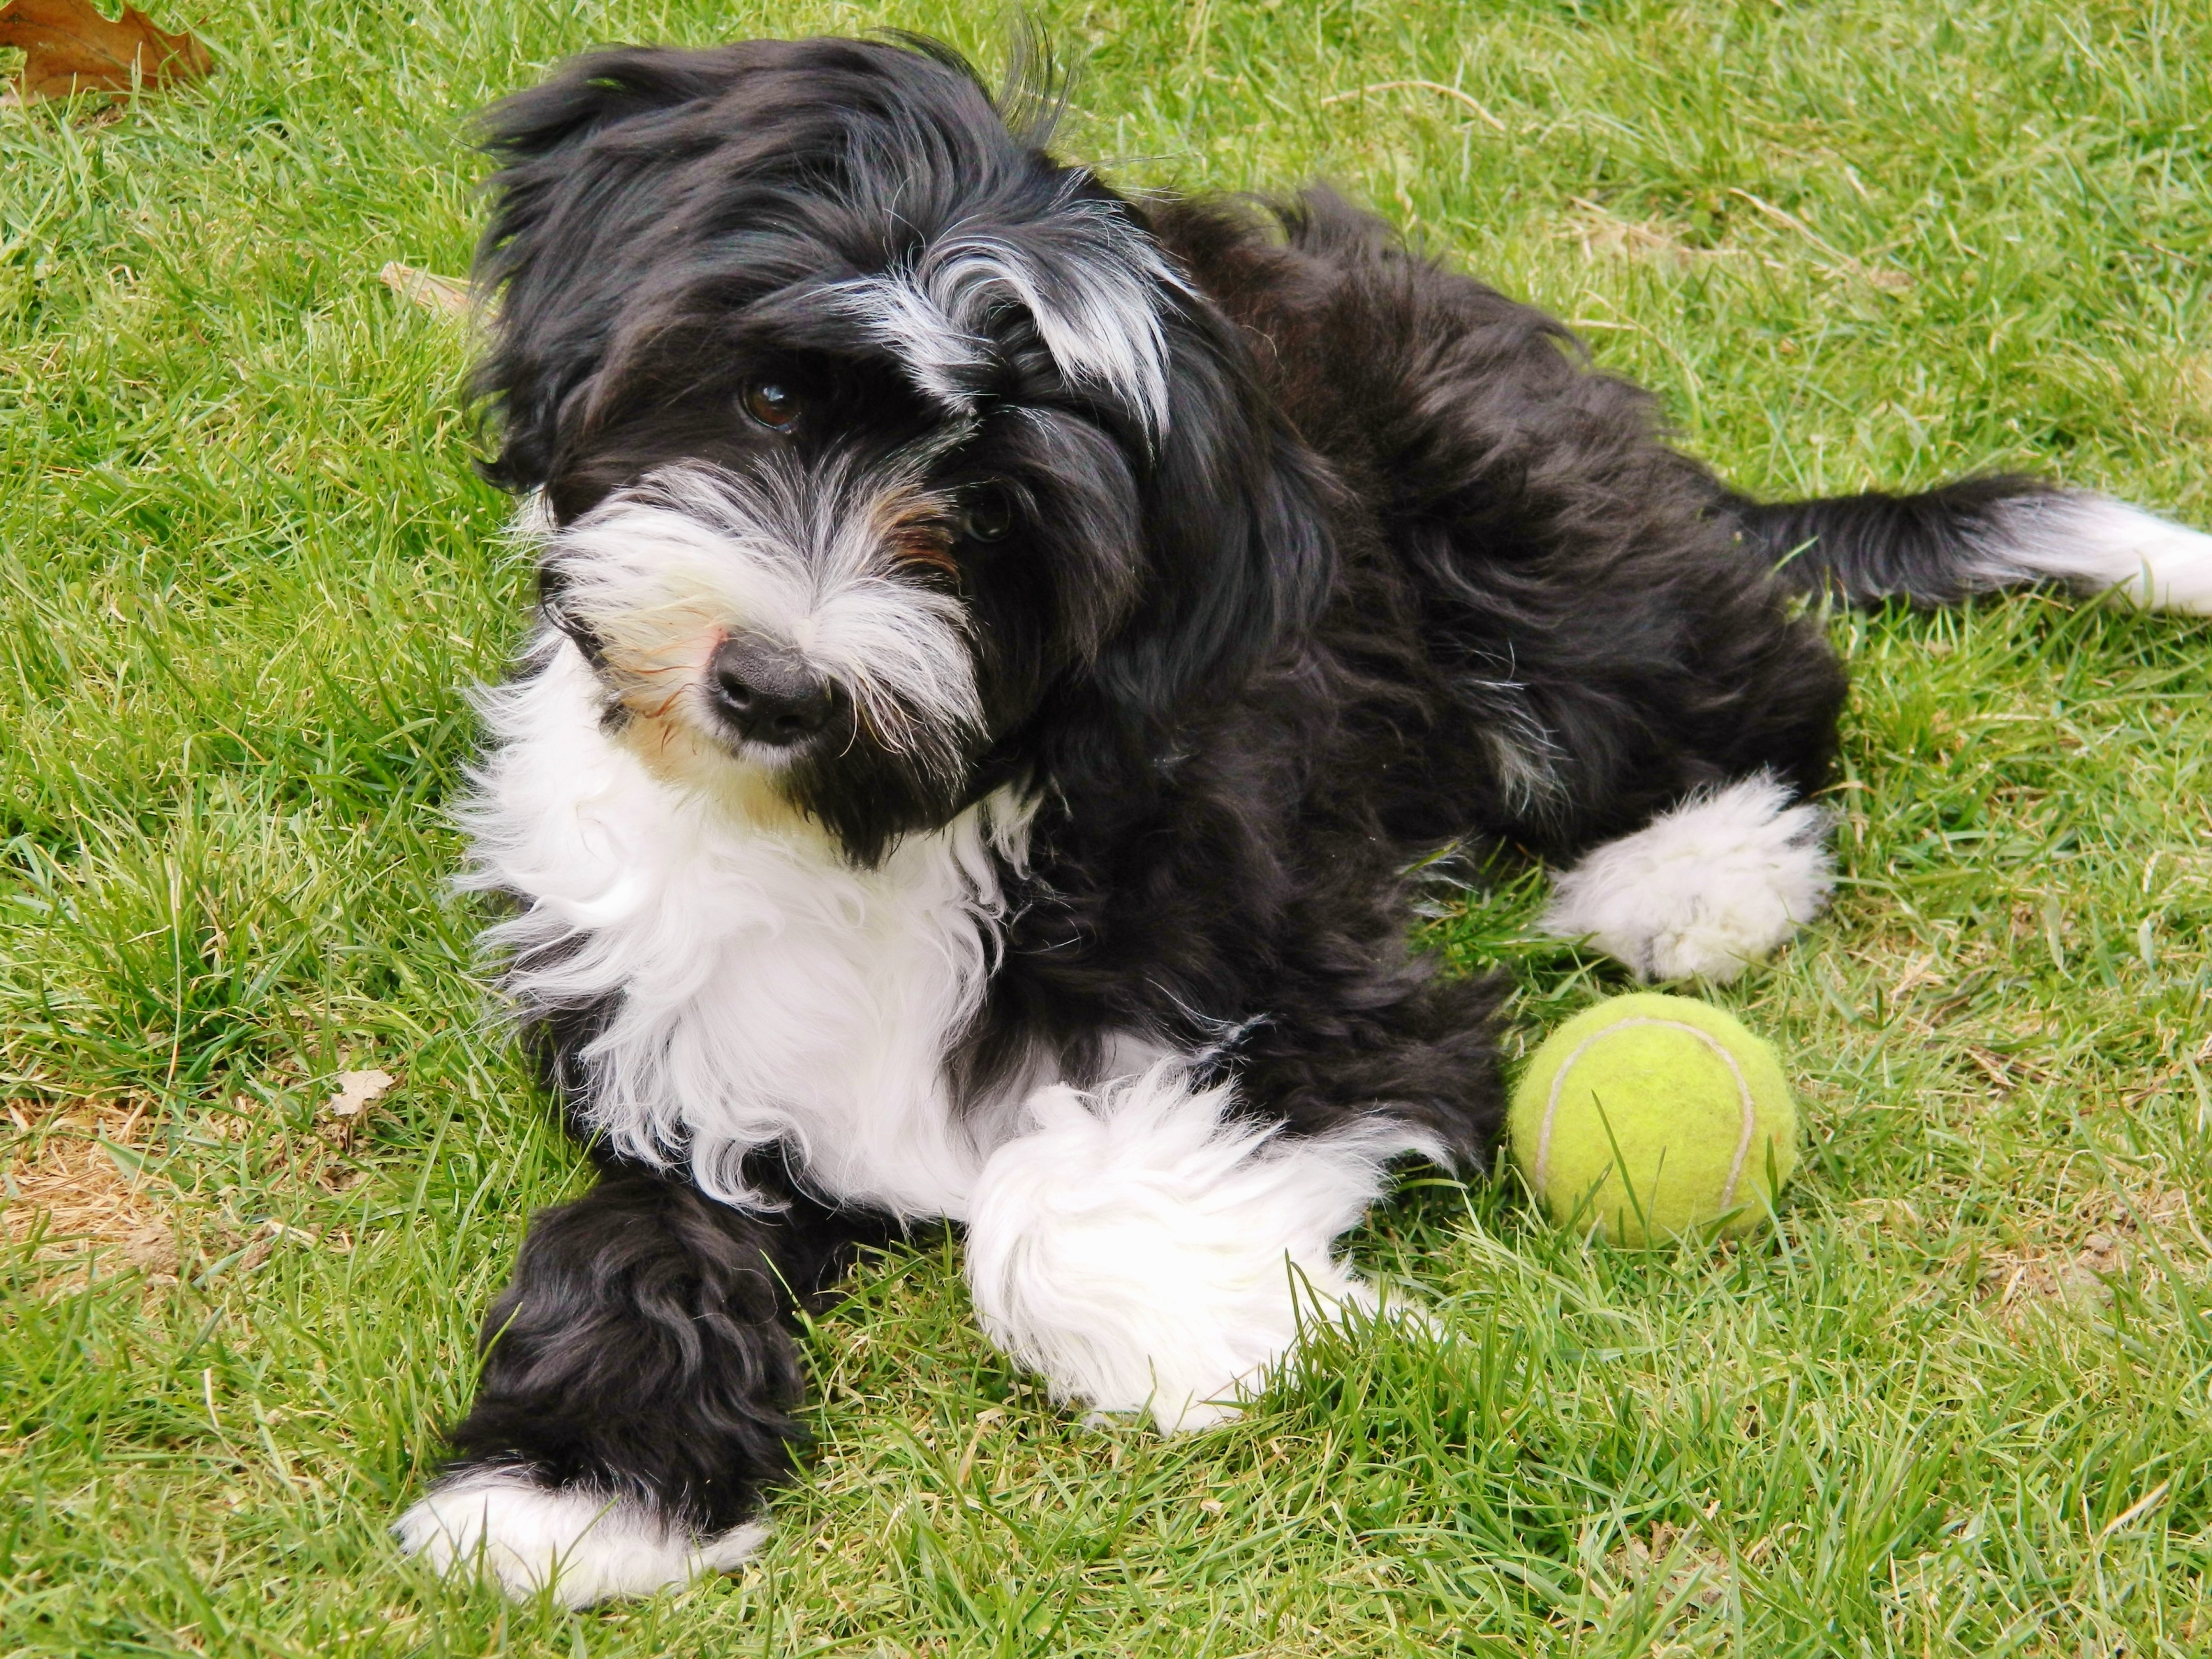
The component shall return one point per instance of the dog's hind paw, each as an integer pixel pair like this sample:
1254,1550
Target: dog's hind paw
1702,890
583,1546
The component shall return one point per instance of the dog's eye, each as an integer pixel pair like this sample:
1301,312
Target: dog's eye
774,405
986,513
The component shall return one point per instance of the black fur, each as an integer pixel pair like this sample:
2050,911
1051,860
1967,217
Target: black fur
644,1349
1398,571
1933,549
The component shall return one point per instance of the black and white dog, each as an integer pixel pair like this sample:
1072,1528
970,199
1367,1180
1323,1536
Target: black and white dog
1003,647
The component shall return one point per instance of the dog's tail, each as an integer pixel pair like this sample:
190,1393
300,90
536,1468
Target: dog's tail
1975,537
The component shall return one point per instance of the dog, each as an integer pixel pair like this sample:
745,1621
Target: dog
1005,648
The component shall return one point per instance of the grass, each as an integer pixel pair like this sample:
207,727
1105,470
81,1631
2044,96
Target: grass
1956,1403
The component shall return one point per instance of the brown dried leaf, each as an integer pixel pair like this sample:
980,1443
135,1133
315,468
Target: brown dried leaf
69,47
449,296
356,1089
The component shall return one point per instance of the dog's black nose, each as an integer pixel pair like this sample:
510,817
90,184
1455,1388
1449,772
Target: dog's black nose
767,692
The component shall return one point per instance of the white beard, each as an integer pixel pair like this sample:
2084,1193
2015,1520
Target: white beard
768,991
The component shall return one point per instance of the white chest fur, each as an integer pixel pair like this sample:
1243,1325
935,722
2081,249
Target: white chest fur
768,992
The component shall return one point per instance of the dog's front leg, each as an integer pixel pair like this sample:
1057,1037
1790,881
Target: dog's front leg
638,1379
1146,1248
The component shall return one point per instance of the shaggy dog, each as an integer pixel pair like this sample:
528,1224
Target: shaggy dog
1003,647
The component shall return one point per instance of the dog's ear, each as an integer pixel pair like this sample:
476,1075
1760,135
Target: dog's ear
1240,553
579,157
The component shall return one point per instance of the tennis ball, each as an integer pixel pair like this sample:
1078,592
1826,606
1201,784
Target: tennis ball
1653,1117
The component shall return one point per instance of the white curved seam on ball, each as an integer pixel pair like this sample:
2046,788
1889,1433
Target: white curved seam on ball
1742,1084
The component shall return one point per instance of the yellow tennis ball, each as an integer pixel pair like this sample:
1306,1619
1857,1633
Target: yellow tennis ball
1653,1117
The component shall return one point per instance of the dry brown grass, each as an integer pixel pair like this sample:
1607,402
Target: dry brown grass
81,1189
1670,1565
74,1182
2071,1246
1603,234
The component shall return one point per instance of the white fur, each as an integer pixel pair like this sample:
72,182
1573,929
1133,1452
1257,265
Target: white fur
583,1546
1092,298
532,523
771,992
1704,889
2096,543
662,573
1142,1249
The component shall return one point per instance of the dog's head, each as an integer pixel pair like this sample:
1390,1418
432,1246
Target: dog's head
887,458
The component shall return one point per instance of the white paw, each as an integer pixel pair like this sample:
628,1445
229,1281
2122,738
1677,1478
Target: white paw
1145,1252
2095,542
586,1546
1703,889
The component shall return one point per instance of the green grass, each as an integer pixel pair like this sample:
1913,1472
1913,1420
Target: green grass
1956,1404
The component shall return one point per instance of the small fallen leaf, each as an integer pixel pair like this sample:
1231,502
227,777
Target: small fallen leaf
69,47
449,296
356,1089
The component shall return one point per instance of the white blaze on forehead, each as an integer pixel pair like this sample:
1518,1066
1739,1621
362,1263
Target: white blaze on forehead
1090,281
662,572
